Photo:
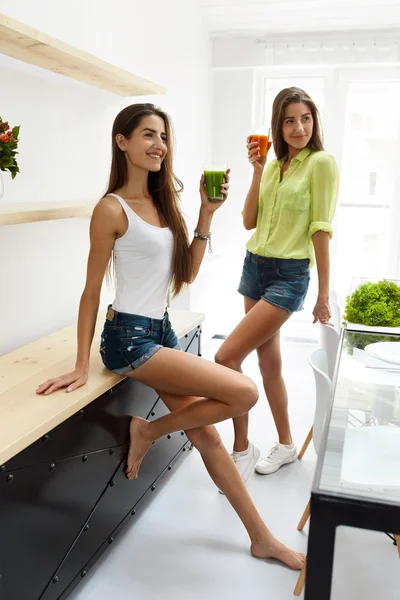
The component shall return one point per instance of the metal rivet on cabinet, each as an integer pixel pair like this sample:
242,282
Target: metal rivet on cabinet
153,487
86,527
52,467
81,411
112,483
55,579
84,458
169,467
45,438
9,478
111,539
2,468
133,512
84,573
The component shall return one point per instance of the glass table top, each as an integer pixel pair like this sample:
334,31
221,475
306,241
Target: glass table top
360,453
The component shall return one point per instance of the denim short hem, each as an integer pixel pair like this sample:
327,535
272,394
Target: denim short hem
138,362
141,361
279,305
247,296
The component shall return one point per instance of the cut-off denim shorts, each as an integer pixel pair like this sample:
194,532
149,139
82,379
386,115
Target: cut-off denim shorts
280,281
128,341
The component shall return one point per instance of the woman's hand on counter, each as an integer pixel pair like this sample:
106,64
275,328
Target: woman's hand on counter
71,381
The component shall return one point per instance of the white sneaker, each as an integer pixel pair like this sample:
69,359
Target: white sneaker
245,463
280,454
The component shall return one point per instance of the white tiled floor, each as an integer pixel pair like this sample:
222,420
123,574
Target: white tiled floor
190,544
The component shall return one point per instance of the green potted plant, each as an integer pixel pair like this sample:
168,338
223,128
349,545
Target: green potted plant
375,305
8,150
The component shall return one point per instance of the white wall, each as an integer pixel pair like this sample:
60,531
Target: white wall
65,141
215,290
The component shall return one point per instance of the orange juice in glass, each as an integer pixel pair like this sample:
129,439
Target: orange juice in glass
262,139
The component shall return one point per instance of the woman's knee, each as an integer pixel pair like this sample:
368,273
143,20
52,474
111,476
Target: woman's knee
246,397
270,370
226,359
205,439
270,361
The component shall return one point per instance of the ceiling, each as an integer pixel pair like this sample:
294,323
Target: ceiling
268,18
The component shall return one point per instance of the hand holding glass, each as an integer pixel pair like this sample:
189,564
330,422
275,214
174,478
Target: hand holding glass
214,177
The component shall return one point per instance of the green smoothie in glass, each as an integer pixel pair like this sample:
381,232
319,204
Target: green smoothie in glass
214,176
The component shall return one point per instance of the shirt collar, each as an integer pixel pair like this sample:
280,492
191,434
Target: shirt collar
300,157
303,154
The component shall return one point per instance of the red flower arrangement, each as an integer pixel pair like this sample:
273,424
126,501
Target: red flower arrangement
8,148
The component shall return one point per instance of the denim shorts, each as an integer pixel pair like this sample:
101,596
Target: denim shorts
280,281
128,341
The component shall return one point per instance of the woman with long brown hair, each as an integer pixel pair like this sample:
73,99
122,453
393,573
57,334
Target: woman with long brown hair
291,204
139,224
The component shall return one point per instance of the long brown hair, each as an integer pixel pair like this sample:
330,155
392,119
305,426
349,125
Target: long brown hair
164,186
283,99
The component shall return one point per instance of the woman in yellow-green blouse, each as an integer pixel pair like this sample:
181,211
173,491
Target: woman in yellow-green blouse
291,204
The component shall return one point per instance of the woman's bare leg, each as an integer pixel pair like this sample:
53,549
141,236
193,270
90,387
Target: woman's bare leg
270,363
260,327
220,395
226,477
241,431
241,424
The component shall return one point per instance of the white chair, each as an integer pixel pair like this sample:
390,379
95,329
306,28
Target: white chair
318,361
329,342
333,296
336,317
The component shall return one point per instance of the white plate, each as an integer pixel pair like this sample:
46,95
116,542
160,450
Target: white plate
389,352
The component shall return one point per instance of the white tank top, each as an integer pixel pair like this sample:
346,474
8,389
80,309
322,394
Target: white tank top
143,264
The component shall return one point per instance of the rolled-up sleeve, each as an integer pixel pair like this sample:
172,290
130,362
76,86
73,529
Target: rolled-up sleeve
324,193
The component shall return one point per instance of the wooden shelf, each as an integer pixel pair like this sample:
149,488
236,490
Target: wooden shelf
36,48
13,214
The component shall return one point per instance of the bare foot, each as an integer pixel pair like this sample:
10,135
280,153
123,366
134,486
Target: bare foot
138,447
271,548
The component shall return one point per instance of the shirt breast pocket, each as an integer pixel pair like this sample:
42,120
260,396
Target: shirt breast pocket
299,198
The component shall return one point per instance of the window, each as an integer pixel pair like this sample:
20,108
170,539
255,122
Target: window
368,244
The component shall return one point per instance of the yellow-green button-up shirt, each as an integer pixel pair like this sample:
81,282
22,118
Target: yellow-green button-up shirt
292,210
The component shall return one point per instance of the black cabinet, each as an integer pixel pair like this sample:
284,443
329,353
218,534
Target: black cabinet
65,498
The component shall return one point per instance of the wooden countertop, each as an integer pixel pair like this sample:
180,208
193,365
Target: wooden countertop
25,416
